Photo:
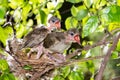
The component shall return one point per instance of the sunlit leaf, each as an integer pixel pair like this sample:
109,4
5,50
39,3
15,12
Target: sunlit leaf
111,14
118,2
114,55
16,3
71,22
113,26
90,66
4,34
50,5
2,21
7,76
59,5
74,10
103,3
25,11
88,3
90,26
4,65
2,12
20,30
58,78
34,1
65,71
75,76
100,3
96,3
118,46
4,3
74,1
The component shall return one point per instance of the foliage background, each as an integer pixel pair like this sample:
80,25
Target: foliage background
91,17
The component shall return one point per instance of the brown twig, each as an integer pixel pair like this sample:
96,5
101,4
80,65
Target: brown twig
86,48
72,62
116,78
106,58
39,74
14,57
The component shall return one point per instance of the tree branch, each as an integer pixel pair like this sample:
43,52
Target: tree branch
106,58
87,47
39,74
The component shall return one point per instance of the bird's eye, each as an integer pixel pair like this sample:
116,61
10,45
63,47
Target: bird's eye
53,21
71,33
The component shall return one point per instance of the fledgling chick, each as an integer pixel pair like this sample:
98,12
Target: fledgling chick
58,42
35,38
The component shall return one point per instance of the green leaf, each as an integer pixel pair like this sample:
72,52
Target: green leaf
5,33
2,21
27,67
74,10
4,65
65,71
118,2
90,26
16,3
110,14
114,55
88,3
2,12
4,3
50,5
17,15
113,26
74,1
71,22
59,5
7,76
25,11
75,76
43,17
90,66
58,78
81,14
20,30
118,46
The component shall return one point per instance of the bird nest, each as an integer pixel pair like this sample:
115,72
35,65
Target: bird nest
31,68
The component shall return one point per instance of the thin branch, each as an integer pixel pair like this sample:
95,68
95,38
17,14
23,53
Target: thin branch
106,58
72,62
87,48
39,74
116,78
13,56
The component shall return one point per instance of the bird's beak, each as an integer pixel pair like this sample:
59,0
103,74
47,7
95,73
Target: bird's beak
58,25
77,38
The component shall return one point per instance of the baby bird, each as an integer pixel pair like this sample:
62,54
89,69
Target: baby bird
58,42
35,38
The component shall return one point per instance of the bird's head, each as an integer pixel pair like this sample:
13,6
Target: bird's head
73,35
54,23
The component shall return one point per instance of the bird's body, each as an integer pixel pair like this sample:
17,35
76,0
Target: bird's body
35,37
56,42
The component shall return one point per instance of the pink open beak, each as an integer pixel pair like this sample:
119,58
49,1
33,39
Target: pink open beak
58,25
77,39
